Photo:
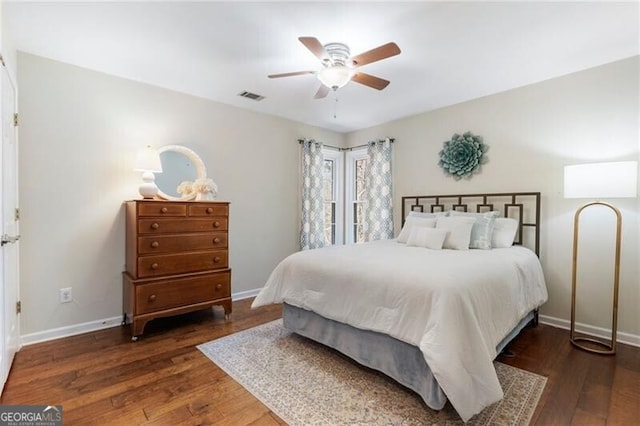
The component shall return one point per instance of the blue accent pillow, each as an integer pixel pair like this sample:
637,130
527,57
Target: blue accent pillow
482,229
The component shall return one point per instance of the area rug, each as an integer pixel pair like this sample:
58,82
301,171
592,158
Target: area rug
306,383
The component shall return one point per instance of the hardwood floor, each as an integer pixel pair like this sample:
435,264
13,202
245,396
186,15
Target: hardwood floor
104,378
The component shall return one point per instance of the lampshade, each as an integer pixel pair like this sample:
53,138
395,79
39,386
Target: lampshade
336,76
601,180
148,160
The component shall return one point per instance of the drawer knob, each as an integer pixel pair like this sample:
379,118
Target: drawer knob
154,266
155,244
209,210
216,224
217,259
164,210
152,298
216,240
155,225
218,287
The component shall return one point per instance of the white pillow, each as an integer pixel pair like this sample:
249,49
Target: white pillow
421,214
459,228
504,232
417,222
430,238
482,230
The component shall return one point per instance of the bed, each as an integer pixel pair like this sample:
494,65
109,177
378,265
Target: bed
432,319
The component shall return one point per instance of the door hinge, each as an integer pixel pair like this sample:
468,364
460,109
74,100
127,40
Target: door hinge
18,307
15,119
17,214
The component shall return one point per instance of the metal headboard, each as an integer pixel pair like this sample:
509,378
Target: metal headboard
522,206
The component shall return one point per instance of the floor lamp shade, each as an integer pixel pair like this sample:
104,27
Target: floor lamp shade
601,180
597,181
148,162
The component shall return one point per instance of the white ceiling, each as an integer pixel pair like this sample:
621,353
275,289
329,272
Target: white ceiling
451,52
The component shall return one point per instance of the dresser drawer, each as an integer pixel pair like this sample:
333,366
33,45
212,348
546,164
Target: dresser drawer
171,243
172,226
160,295
208,210
161,209
179,263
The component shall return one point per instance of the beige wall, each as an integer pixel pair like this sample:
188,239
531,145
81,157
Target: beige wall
79,134
532,133
80,131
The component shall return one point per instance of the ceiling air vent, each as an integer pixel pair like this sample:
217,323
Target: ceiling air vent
251,96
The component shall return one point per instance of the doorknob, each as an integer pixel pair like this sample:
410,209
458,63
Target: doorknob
6,239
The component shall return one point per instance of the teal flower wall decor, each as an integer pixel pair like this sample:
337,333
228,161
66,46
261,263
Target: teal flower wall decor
462,155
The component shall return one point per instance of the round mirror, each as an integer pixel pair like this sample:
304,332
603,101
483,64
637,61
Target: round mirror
179,165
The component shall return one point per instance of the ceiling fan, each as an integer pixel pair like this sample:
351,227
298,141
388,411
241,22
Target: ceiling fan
339,67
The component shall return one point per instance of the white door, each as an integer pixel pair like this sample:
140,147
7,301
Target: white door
9,215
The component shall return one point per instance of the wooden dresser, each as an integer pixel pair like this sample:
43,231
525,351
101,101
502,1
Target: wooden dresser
177,259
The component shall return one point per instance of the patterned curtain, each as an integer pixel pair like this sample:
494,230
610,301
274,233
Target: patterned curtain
378,219
312,229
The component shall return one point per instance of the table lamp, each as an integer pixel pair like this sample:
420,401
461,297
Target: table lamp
148,162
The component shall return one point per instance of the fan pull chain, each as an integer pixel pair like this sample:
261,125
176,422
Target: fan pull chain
335,107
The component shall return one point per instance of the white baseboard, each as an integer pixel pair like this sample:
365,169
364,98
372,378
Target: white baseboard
72,330
627,338
245,294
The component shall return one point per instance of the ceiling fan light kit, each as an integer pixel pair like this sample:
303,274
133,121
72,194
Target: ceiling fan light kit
336,76
339,67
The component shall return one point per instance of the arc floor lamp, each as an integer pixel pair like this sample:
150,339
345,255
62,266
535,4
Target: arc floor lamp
598,181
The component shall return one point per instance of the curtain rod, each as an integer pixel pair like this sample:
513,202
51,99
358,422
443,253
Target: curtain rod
392,140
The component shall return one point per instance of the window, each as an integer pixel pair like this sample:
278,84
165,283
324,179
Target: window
343,193
332,184
354,189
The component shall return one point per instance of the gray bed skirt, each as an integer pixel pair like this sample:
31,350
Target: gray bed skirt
399,360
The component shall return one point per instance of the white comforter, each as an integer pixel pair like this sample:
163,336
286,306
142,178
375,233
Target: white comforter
456,306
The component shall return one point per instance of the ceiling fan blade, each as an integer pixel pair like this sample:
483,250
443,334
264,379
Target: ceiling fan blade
370,80
291,74
322,92
381,52
316,48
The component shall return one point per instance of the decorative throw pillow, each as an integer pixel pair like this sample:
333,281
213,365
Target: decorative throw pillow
421,214
482,230
459,233
504,232
417,222
430,238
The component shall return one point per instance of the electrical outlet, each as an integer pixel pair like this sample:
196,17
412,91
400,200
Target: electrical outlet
66,295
